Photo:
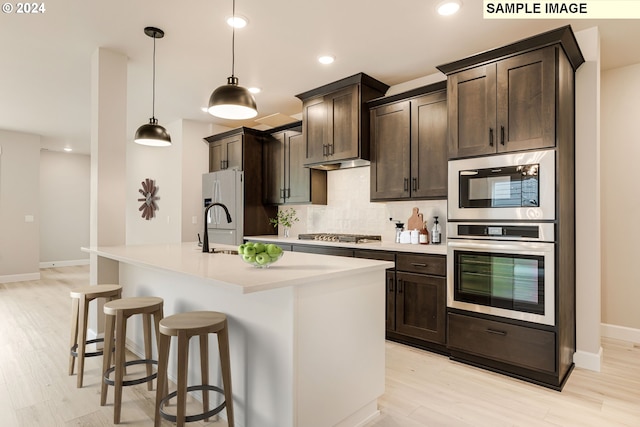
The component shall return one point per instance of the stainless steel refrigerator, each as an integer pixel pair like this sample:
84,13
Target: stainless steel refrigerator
226,187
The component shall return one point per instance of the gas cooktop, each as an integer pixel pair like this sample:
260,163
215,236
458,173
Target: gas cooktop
337,237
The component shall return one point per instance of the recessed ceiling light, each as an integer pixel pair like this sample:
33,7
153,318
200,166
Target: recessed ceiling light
326,59
254,89
237,21
449,7
67,149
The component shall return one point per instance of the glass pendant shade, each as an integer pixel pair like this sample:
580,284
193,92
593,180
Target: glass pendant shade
152,134
232,101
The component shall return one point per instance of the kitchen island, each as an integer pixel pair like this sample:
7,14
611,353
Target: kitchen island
306,334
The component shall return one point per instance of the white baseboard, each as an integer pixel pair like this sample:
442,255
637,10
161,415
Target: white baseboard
68,263
620,332
19,277
589,361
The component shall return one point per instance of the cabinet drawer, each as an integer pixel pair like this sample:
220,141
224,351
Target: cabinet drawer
517,345
373,254
424,264
324,250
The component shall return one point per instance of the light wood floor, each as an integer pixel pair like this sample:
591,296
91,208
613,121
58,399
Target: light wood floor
422,389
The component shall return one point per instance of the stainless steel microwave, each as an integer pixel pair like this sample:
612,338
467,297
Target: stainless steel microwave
517,186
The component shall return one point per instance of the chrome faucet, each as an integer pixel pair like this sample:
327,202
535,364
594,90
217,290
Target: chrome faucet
205,241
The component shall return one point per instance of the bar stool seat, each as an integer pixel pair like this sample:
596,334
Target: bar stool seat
116,314
80,299
184,326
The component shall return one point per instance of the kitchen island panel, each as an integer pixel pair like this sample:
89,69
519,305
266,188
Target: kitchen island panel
307,349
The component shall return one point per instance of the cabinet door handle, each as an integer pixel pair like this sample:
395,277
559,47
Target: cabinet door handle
418,264
399,286
324,150
414,184
282,193
406,185
496,332
331,149
491,137
501,135
391,285
221,164
287,193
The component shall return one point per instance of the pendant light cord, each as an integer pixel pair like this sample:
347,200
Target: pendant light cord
233,39
153,91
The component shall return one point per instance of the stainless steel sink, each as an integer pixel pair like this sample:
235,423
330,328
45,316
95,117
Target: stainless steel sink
225,251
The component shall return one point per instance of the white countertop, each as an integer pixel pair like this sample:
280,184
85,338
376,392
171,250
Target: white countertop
440,249
230,272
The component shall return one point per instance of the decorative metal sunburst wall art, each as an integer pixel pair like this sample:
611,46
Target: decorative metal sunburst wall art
148,206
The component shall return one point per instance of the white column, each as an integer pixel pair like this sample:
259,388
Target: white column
588,241
108,162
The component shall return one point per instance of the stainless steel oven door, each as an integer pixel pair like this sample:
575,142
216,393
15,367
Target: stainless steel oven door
517,186
521,271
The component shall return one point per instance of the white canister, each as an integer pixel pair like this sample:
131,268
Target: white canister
415,237
405,237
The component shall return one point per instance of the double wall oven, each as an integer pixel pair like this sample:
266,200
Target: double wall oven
501,236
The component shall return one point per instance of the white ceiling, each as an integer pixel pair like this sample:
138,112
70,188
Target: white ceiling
46,59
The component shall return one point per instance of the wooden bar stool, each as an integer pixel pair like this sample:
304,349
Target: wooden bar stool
116,314
184,326
80,299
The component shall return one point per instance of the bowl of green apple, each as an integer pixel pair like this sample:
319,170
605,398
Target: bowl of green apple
260,254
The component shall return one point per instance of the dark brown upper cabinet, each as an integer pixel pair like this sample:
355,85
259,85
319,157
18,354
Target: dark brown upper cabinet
225,153
334,129
409,145
287,180
507,99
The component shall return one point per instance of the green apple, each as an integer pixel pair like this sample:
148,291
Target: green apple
259,247
249,258
249,250
273,249
274,257
262,258
241,249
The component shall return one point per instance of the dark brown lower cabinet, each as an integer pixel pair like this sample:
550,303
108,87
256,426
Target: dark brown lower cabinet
517,345
417,301
421,306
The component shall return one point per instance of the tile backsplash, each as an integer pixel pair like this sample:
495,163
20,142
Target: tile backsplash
349,210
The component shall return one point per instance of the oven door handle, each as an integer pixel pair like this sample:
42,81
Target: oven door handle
526,248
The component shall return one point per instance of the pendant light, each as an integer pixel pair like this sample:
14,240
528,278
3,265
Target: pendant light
152,133
232,101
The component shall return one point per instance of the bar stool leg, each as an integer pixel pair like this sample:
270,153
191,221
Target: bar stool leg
204,368
106,355
157,317
75,313
162,382
146,319
223,345
121,336
183,360
84,316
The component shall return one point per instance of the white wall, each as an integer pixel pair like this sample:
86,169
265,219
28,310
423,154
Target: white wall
620,200
19,199
64,208
177,172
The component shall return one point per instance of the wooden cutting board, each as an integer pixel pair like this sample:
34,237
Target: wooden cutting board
416,221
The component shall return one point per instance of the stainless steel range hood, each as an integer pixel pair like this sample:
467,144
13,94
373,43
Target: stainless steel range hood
344,164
